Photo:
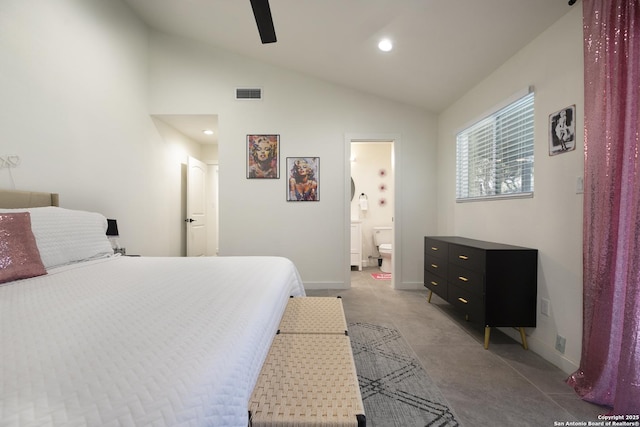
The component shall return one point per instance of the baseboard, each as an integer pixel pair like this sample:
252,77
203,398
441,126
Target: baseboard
409,286
341,285
326,285
548,353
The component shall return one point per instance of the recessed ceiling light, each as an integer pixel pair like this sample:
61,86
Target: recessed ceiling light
385,45
207,132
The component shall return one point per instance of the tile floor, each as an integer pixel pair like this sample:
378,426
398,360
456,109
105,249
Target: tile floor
502,386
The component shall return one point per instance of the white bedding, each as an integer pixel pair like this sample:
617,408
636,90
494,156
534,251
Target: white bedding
135,341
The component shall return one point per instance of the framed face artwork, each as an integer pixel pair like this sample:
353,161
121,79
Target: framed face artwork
562,131
303,184
263,156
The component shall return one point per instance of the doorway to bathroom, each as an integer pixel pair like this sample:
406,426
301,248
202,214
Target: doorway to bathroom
372,207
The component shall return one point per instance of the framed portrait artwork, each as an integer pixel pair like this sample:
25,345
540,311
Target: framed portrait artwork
303,183
562,131
263,156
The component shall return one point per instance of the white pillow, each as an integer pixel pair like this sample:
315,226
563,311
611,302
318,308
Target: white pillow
66,236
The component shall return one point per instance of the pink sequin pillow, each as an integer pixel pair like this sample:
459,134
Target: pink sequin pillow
19,255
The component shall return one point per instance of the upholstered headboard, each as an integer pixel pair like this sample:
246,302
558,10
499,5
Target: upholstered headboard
12,199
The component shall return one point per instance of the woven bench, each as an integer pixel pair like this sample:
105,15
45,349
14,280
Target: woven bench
313,315
309,377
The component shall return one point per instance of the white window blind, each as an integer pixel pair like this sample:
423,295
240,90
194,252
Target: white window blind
495,155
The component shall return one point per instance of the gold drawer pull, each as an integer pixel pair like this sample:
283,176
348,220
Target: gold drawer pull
434,283
464,279
433,248
462,300
434,266
464,257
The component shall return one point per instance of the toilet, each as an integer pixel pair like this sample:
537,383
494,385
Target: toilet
383,237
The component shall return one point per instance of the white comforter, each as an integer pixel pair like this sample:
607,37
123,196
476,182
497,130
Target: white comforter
140,341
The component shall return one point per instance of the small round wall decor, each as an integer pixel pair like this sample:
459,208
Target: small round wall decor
382,202
382,172
382,187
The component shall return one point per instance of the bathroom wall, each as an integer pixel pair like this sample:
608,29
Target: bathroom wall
372,173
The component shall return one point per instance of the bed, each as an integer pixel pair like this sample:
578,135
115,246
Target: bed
99,339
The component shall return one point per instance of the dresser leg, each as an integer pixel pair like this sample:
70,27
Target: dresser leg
429,297
487,333
524,338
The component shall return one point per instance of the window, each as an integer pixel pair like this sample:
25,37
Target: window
495,155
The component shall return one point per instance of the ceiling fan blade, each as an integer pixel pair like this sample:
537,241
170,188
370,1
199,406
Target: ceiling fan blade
262,13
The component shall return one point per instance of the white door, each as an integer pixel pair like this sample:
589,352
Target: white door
212,210
196,208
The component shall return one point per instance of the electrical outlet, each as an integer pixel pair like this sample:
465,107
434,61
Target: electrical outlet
560,343
545,307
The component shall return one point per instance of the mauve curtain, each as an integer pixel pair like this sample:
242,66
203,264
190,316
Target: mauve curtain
609,371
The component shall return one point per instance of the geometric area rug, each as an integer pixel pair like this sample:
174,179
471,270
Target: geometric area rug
395,389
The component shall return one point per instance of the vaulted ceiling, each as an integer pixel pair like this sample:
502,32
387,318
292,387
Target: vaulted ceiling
442,48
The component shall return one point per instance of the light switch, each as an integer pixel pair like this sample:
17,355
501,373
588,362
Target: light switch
580,185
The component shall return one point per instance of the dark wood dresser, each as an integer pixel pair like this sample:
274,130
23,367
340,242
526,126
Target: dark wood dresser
490,283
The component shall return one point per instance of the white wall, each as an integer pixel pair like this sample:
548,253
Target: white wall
74,85
552,220
312,118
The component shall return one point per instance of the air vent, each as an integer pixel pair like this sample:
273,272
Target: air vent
248,93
